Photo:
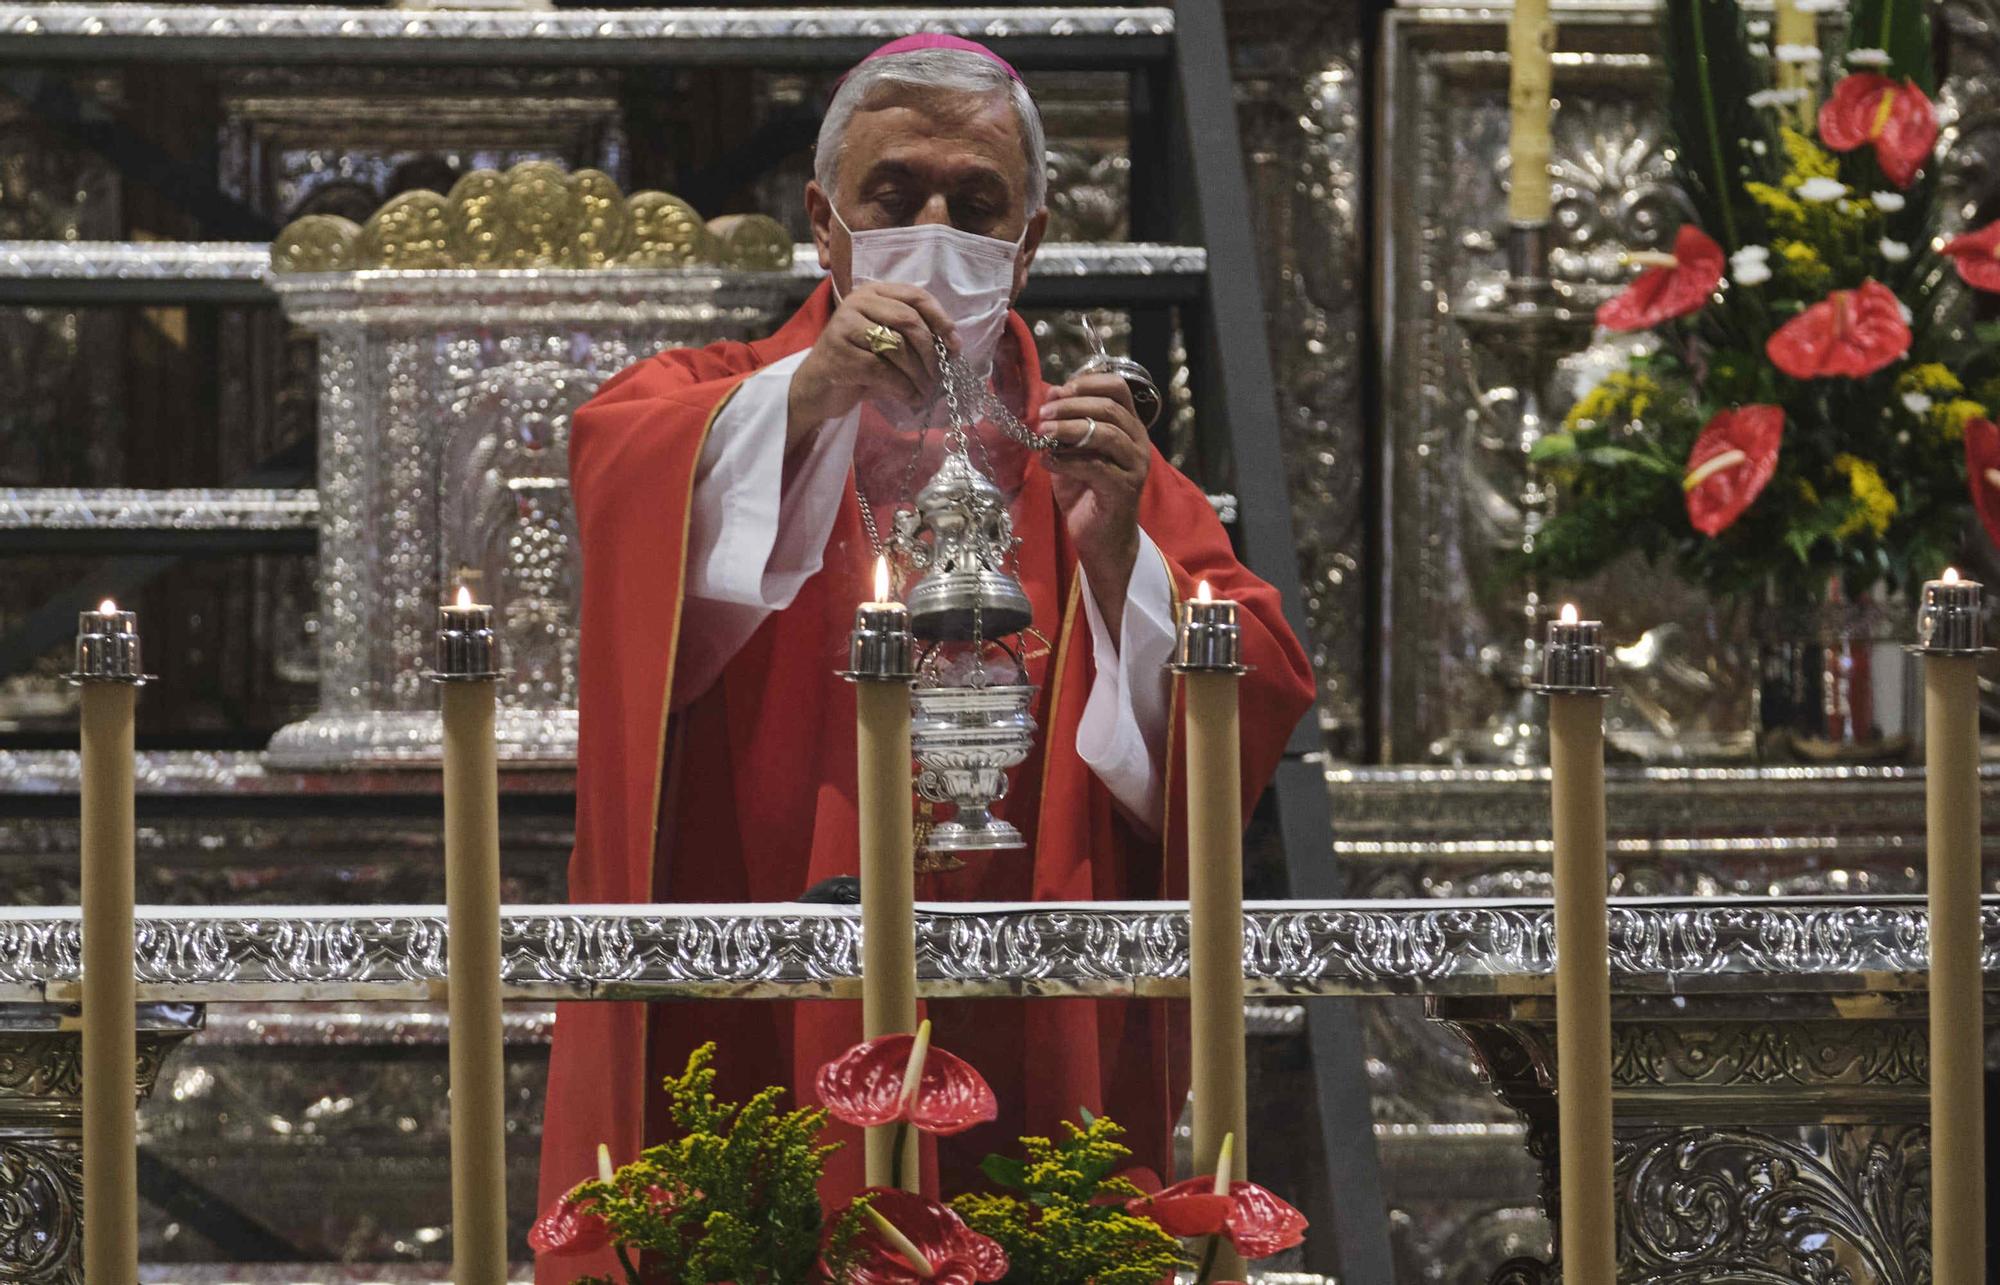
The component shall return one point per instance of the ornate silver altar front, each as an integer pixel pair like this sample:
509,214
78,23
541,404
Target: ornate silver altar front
445,399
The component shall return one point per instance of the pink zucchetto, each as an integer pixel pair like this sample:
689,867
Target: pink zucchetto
938,40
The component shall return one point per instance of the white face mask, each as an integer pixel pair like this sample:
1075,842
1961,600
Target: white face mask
971,276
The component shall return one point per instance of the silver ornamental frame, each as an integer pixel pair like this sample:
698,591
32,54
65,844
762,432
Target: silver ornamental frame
445,400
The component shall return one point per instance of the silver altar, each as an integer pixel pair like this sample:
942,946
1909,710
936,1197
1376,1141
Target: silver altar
445,399
1808,1101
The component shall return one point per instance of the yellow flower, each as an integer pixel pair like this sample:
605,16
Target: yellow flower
1930,378
1802,261
1876,505
1951,417
1621,396
1808,159
1786,213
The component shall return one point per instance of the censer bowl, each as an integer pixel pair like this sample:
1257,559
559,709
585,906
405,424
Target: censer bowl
960,606
964,740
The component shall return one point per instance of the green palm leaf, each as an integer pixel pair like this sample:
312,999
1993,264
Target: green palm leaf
1903,29
1710,75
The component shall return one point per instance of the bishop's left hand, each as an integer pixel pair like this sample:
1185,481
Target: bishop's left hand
1097,475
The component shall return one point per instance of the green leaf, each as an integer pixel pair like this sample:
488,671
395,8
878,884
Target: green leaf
1624,457
1710,75
1553,447
1005,1171
1903,29
1088,1118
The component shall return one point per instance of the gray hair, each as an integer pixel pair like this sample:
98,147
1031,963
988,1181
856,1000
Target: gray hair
951,70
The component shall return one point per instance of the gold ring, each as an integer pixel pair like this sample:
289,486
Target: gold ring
881,340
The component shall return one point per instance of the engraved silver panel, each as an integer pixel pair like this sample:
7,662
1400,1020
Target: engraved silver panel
1806,946
121,509
148,25
444,424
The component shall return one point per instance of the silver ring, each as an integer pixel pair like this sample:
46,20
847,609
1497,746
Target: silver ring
1089,430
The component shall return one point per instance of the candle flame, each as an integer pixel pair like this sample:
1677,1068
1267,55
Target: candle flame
1202,593
1951,575
107,608
1569,613
881,577
464,596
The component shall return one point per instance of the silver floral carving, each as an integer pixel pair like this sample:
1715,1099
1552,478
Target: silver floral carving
1290,948
41,1209
1747,1205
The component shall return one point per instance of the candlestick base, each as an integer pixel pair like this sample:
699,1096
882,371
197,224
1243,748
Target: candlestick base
476,676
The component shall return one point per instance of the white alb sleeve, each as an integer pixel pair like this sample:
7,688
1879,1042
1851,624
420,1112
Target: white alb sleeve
1122,736
755,535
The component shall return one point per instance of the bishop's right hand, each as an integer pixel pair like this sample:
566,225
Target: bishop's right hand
844,367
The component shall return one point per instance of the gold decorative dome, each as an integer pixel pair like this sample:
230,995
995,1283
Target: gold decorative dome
533,216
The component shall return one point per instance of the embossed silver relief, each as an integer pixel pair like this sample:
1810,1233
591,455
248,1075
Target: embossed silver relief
41,1209
444,416
1835,1203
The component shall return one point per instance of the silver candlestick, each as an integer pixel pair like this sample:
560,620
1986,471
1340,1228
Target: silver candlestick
1528,333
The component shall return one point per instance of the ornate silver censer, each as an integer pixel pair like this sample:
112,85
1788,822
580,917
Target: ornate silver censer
970,719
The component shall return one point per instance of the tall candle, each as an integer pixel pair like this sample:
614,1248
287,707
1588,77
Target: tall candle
1208,658
469,681
107,669
1573,677
1531,37
881,666
1949,638
1796,28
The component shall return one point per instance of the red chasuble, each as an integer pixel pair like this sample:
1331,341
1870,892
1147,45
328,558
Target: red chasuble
745,792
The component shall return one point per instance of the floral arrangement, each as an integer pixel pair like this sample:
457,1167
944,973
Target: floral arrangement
1062,1212
734,1198
1817,402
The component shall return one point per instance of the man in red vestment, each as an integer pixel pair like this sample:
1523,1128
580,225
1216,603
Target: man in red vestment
720,496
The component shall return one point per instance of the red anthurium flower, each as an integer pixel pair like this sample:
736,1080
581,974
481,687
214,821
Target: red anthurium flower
1977,255
1850,332
908,1240
1982,473
1871,108
1731,462
1672,286
564,1229
1255,1220
901,1077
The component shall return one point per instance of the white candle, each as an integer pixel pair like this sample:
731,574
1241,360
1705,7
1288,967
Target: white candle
1530,48
107,668
879,656
1573,679
1207,659
1949,640
470,686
